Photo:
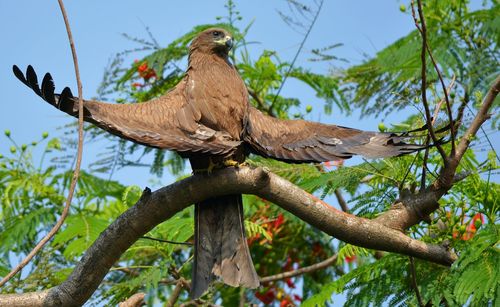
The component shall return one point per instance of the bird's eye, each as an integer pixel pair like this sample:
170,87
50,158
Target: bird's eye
216,33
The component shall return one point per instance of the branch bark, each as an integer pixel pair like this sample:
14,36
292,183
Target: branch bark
153,208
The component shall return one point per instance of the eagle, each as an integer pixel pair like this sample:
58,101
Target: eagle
207,118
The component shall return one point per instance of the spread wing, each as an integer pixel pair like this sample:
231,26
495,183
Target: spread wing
155,123
304,141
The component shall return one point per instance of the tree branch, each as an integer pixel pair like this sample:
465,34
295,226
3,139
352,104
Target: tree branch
308,269
423,31
135,300
76,173
413,208
154,208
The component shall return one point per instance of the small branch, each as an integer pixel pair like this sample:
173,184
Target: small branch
175,294
423,31
414,282
341,200
135,300
308,269
298,52
480,118
167,241
447,92
76,173
260,103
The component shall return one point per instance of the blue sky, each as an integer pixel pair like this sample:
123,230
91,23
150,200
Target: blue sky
33,33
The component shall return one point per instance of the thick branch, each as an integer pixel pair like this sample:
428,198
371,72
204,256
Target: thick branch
153,208
411,209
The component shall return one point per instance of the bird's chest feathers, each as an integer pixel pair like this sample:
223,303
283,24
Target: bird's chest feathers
218,92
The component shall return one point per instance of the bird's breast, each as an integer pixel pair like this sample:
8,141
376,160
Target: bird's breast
220,95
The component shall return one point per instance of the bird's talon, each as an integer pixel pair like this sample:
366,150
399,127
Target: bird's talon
231,162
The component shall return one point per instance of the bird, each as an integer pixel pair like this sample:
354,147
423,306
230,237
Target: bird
208,118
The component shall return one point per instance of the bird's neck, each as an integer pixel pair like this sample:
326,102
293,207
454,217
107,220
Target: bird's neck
198,59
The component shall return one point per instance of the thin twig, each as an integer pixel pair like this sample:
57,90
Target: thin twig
436,68
488,140
440,103
167,241
424,163
427,139
298,52
414,282
341,200
261,103
175,294
481,117
423,31
76,173
308,269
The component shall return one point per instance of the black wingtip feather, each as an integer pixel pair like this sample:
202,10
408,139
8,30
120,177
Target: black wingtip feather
65,95
33,80
19,74
48,88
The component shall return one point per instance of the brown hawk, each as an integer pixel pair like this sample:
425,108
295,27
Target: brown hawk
207,118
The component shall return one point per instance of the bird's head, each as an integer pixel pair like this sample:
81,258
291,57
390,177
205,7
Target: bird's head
213,40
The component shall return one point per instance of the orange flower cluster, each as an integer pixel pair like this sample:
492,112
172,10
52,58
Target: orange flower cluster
471,229
144,72
272,227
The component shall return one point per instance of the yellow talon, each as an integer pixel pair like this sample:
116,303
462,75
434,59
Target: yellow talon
231,162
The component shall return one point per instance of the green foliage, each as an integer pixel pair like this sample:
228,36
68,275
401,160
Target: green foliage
254,229
464,44
80,233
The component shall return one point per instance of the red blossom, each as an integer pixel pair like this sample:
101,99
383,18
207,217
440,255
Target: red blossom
279,221
137,84
290,283
146,72
266,297
350,259
297,297
471,229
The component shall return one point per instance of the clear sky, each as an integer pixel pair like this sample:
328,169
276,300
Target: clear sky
33,33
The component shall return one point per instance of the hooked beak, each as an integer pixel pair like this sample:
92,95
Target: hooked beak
226,42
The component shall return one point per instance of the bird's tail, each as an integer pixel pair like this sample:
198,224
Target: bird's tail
221,248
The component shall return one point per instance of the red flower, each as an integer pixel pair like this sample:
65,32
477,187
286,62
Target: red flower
279,221
290,283
266,297
350,259
145,72
285,303
297,297
137,84
471,229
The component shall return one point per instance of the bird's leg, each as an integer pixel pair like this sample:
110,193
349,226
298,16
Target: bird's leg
211,166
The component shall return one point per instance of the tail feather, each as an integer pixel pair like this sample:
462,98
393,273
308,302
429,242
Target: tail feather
221,249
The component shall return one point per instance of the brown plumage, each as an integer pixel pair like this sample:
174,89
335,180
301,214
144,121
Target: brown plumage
207,118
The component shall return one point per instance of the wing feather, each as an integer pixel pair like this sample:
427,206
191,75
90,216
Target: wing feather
304,141
155,123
